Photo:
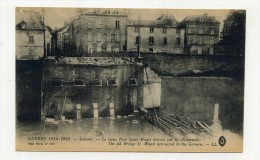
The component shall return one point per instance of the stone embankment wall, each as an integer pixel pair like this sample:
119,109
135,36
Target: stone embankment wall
58,99
195,65
28,90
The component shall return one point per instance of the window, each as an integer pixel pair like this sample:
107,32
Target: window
137,29
178,40
96,82
200,31
112,82
189,30
151,40
132,82
98,36
30,51
211,41
177,31
117,37
90,24
79,82
165,40
99,24
151,50
57,82
108,37
23,25
117,24
108,12
136,39
212,31
90,37
200,40
151,29
31,39
112,37
164,30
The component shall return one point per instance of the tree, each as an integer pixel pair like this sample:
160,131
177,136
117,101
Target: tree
232,37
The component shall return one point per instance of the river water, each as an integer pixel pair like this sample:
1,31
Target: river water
216,101
209,99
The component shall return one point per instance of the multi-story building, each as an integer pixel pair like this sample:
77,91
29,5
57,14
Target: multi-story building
160,35
31,34
93,32
201,34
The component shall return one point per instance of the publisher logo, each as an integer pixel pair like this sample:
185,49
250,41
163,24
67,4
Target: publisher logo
222,141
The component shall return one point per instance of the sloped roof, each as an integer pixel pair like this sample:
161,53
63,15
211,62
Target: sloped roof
199,18
163,20
31,19
142,22
65,28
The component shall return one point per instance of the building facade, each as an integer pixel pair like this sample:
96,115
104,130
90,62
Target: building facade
162,35
93,32
201,34
31,34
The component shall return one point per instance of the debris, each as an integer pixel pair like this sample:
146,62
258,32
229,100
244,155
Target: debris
68,121
174,125
51,121
118,116
136,111
135,121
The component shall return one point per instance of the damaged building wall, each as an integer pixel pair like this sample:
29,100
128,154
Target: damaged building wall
96,89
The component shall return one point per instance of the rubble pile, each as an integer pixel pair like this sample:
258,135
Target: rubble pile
96,60
174,125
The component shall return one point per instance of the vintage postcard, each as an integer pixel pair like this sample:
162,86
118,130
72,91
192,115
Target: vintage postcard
132,80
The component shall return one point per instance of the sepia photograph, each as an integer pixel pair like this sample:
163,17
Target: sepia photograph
129,80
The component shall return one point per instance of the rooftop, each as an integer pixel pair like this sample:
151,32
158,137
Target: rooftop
163,20
200,18
32,20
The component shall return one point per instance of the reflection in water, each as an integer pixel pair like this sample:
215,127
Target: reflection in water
127,126
216,101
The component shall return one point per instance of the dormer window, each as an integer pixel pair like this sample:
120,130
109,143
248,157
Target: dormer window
23,25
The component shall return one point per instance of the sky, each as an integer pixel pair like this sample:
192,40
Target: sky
55,17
